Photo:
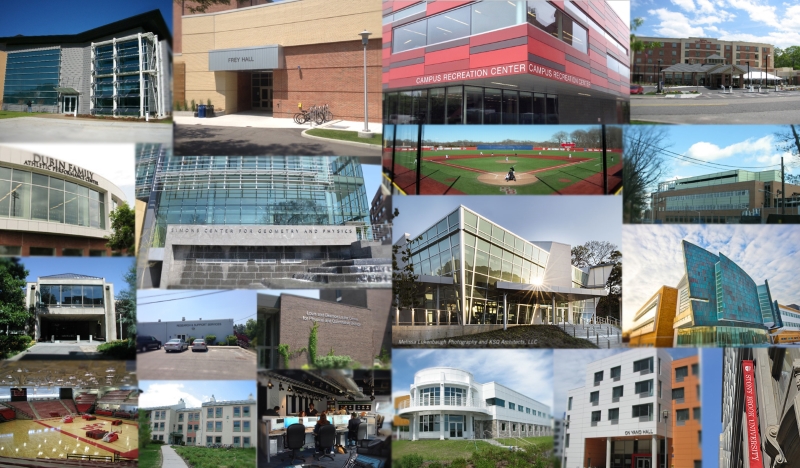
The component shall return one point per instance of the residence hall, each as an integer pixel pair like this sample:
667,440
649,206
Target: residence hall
271,58
214,422
50,207
509,62
121,69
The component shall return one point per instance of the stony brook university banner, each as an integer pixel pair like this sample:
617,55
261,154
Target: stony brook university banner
751,413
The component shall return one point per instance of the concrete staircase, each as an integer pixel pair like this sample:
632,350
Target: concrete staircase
603,336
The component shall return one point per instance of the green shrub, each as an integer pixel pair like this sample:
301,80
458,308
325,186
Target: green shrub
194,106
458,463
410,461
435,465
232,340
334,362
157,442
208,102
120,349
191,340
210,339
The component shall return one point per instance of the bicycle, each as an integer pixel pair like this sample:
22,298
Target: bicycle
316,114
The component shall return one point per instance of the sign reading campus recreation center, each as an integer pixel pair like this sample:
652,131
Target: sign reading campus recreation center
520,68
61,167
753,439
258,235
322,317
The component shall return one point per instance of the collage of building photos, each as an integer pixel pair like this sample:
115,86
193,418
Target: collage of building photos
376,233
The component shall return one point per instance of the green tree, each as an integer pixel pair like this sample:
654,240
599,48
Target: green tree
404,279
643,164
638,45
13,313
145,431
593,253
126,303
788,57
210,339
123,227
312,344
610,306
251,329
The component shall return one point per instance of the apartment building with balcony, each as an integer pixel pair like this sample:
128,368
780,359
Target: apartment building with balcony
447,403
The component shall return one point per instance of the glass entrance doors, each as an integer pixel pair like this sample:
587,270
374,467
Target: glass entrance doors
642,463
262,91
457,430
70,104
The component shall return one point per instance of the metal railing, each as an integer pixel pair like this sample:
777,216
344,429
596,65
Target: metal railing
446,401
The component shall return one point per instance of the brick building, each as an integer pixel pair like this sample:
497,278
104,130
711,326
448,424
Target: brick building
652,324
49,207
645,65
271,57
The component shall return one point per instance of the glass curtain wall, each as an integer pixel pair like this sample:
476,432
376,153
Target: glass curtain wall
28,195
260,190
55,295
117,87
32,76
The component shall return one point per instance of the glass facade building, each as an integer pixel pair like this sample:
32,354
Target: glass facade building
33,196
124,79
32,76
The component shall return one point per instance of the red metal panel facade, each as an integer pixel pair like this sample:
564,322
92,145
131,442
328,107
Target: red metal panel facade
751,413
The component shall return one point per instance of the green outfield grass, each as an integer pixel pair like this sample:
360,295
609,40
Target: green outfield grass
467,181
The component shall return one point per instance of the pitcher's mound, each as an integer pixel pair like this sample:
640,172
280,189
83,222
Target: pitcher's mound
499,178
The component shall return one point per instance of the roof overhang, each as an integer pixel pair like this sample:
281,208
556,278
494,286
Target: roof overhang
68,91
571,294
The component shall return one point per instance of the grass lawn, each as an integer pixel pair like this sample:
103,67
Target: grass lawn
523,336
437,450
545,443
11,114
150,457
377,138
202,457
436,167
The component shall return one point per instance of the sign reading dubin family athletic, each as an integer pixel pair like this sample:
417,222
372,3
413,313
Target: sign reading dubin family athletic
753,439
61,167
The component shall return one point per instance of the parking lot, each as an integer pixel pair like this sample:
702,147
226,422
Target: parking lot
219,363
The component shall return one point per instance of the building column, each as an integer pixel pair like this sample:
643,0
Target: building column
608,452
441,425
413,427
505,313
553,311
654,451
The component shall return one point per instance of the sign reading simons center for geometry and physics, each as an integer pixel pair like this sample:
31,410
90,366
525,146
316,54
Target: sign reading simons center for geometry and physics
61,167
322,317
520,68
260,235
750,410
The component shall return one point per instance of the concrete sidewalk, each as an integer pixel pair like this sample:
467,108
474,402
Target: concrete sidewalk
45,130
260,120
170,459
55,351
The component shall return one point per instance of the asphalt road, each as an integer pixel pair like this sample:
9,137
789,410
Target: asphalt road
197,140
219,363
712,107
48,130
60,351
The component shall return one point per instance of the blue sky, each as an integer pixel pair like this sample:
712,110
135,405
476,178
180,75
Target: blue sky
528,371
194,393
774,22
711,388
110,268
237,304
750,147
372,179
48,17
654,258
570,220
497,133
573,375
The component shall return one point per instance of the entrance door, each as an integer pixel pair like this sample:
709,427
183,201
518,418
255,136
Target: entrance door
642,463
181,337
70,104
457,430
262,91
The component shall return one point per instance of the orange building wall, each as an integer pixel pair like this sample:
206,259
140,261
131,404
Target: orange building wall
685,447
665,314
595,451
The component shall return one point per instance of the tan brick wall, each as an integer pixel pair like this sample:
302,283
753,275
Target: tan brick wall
178,80
3,57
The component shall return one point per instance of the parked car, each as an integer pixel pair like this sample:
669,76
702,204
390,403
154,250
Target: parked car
176,344
636,89
199,345
147,342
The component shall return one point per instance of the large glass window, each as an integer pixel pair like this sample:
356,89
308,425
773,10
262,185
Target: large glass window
474,102
118,87
454,105
573,34
429,396
32,76
510,107
644,387
450,25
429,423
409,36
543,15
491,15
643,411
643,365
493,106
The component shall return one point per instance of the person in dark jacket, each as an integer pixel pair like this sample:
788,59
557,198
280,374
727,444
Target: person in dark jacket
352,429
323,421
311,411
273,411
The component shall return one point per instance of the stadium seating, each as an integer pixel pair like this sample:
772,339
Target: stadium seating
85,401
70,406
22,407
48,408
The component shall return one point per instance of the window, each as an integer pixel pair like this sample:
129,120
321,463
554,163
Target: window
510,405
613,414
569,404
488,16
682,415
616,392
246,411
218,426
503,428
42,251
595,416
210,426
218,439
514,427
180,417
65,252
209,440
32,76
236,441
246,442
8,250
499,402
598,376
180,427
452,24
528,410
616,372
245,426
643,411
696,413
237,411
659,389
681,373
218,413
594,397
695,369
429,396
520,408
566,441
643,365
645,387
237,426
210,413
429,423
677,393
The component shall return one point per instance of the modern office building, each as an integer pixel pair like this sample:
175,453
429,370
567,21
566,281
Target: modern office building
215,422
686,415
260,56
254,221
514,62
354,323
616,420
447,403
533,281
186,329
51,207
72,307
380,212
707,58
652,323
790,331
724,198
559,429
718,304
122,69
759,408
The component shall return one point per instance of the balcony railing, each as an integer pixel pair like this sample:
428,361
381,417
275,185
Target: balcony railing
446,401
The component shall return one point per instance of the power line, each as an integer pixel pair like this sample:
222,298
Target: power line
711,164
187,297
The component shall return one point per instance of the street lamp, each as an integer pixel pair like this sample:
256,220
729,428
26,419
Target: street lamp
665,414
660,88
366,133
766,69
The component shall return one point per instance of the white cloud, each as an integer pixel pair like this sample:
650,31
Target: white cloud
759,12
687,5
674,24
712,28
167,394
706,151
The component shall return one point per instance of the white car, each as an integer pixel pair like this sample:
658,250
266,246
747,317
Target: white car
199,345
176,344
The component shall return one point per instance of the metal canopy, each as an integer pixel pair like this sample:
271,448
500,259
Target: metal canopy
68,91
571,294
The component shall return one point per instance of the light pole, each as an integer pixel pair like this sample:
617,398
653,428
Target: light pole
366,133
665,413
766,70
660,86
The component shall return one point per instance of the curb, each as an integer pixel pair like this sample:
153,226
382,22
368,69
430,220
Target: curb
343,142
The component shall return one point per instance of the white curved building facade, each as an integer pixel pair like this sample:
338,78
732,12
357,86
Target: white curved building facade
447,403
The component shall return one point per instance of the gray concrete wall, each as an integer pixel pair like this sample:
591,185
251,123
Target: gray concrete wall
163,331
75,73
